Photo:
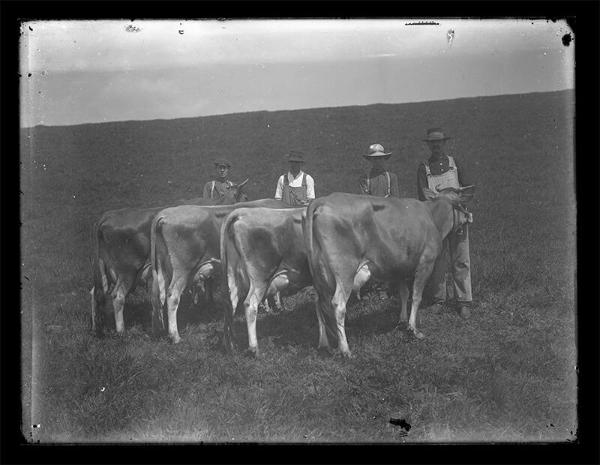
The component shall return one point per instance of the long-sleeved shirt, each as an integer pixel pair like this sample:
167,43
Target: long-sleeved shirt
377,184
220,188
437,167
296,182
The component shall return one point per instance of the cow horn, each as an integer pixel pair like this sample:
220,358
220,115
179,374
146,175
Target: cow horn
240,185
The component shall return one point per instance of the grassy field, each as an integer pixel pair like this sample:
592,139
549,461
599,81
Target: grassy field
506,374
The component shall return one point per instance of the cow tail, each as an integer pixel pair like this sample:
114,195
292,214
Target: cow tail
317,269
158,284
227,237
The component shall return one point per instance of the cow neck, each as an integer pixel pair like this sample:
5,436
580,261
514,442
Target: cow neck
442,213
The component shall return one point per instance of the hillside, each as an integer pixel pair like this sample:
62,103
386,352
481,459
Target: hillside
506,374
164,160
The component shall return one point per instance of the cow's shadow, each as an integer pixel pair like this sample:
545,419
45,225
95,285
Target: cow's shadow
298,326
138,311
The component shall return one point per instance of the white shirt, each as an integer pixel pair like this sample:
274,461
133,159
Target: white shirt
296,182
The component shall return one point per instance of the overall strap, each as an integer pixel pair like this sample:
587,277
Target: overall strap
451,162
368,184
427,170
304,180
212,190
286,181
389,184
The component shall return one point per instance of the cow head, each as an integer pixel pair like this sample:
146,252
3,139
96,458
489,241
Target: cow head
233,194
458,199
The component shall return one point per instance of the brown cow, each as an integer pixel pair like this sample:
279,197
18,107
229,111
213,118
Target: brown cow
262,254
353,238
121,259
185,243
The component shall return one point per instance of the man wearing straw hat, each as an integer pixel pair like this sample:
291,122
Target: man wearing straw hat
439,172
296,188
218,187
379,181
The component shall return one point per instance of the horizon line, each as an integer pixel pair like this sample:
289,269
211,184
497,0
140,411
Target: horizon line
292,109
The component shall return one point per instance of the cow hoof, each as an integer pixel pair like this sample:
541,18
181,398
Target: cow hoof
251,352
325,352
401,326
418,334
175,339
347,355
464,312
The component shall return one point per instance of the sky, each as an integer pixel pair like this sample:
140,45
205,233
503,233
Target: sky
75,72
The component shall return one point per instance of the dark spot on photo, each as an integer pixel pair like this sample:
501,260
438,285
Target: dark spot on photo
566,39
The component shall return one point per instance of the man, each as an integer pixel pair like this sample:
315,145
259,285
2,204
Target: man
379,181
439,172
296,188
217,188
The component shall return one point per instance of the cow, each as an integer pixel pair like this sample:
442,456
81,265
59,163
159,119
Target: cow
353,238
185,243
262,254
121,258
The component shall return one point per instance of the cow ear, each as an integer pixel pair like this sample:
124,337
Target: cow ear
429,194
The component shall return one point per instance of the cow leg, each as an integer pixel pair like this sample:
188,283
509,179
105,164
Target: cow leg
422,274
173,297
339,307
93,296
234,297
265,305
251,309
209,290
323,341
403,292
119,294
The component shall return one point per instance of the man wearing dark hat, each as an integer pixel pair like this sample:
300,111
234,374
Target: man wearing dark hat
296,188
439,172
217,188
379,181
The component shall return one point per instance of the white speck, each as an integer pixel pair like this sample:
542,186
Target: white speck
102,389
73,195
268,125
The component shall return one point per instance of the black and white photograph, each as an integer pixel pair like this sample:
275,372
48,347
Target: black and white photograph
291,231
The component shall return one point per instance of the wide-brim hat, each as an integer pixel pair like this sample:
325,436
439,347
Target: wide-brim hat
434,134
296,156
377,151
223,162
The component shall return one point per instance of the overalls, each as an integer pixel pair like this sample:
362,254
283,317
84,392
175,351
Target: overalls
457,244
389,185
212,189
294,196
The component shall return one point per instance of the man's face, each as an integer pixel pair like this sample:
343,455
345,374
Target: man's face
435,146
378,163
222,171
295,167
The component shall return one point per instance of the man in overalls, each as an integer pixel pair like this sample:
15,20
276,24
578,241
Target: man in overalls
437,173
379,181
217,188
296,188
